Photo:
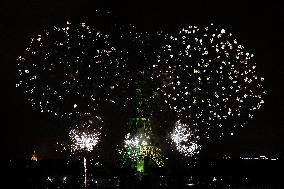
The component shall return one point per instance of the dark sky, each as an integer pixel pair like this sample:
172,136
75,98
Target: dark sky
257,25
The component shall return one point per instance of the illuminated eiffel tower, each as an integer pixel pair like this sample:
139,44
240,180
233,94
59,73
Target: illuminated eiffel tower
139,149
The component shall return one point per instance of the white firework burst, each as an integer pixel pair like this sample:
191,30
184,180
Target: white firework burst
133,144
204,76
83,140
68,70
185,140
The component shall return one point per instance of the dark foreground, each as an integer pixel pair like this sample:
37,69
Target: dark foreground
68,174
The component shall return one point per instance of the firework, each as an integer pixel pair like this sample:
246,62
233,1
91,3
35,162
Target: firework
70,70
83,140
138,146
84,136
133,144
185,139
202,77
206,78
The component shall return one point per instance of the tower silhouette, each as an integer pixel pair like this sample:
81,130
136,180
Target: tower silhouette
140,151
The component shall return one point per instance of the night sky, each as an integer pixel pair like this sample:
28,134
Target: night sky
257,26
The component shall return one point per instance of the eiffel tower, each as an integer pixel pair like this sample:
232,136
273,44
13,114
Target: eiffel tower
140,151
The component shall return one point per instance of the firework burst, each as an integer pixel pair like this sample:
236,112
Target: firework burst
69,70
185,139
205,77
83,137
200,78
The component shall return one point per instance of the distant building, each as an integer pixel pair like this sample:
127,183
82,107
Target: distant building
261,157
34,157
